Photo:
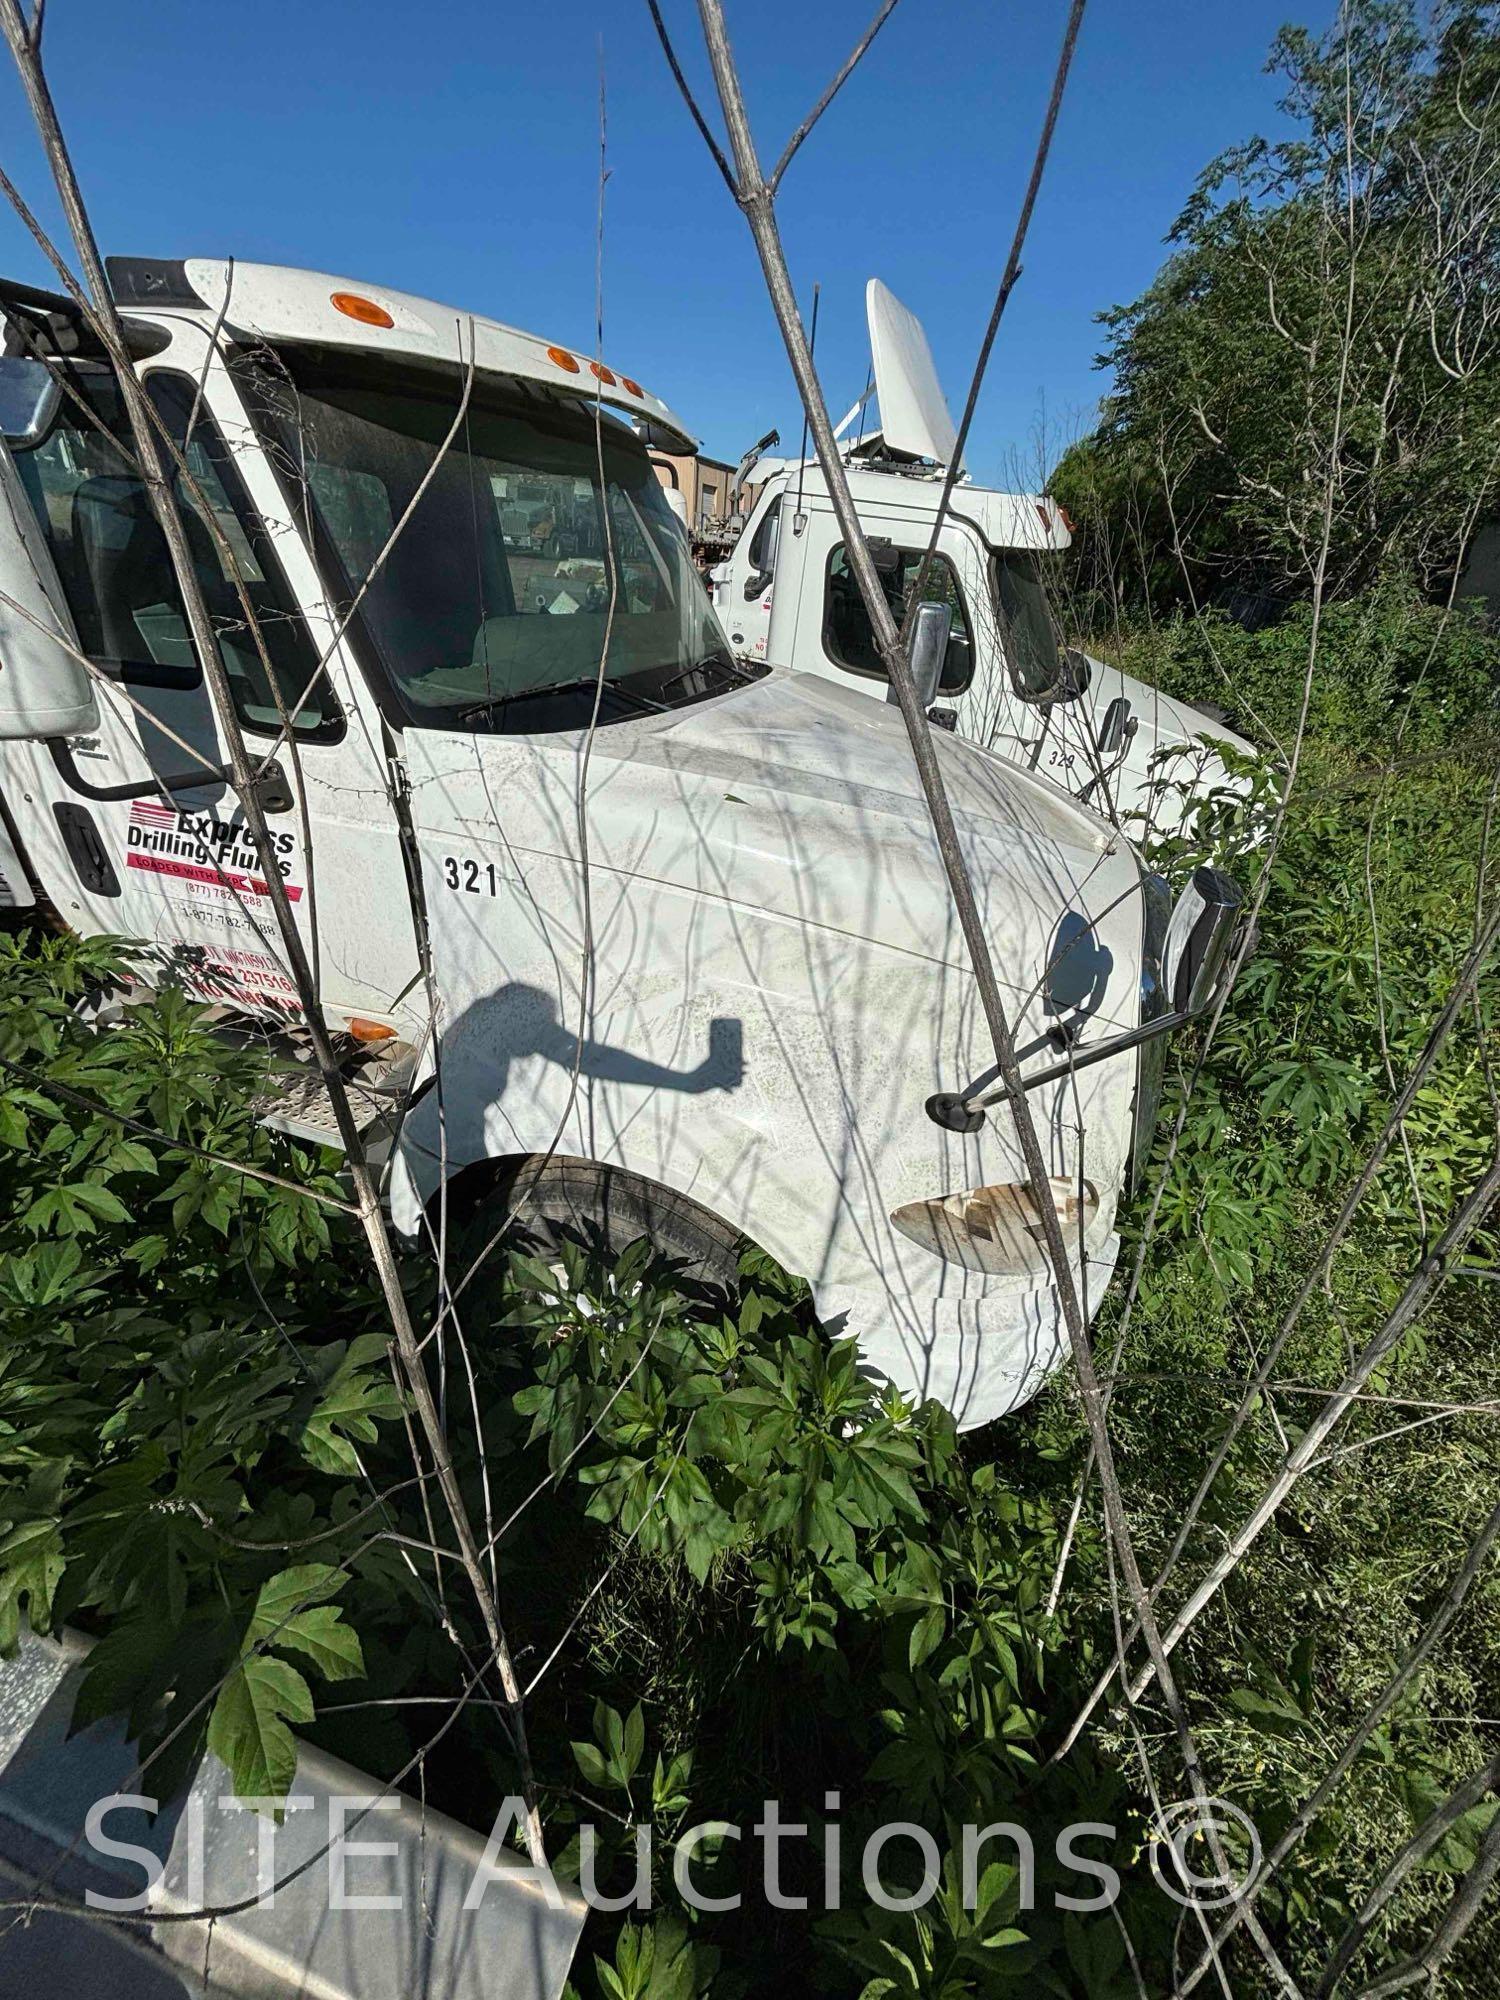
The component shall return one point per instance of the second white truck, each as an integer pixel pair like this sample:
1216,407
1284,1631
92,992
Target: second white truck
1009,682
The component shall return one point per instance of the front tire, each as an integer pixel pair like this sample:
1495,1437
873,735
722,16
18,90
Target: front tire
610,1208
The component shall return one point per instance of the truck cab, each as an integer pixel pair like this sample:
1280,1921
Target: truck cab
1009,682
664,937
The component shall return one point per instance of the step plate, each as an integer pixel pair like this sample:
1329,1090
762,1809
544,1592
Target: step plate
301,1106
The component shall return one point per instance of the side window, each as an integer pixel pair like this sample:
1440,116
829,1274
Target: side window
848,638
117,575
108,550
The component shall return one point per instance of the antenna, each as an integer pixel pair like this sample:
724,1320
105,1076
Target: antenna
864,403
799,519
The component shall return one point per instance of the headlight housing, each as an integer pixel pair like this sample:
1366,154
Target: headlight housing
997,1230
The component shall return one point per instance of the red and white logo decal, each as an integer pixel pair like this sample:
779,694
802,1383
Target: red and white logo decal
207,855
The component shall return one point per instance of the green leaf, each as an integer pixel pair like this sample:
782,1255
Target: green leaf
926,1635
32,1561
593,1764
288,1614
358,1397
248,1728
635,1742
100,1201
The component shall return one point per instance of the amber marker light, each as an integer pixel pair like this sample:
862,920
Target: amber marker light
369,1031
352,306
634,387
563,359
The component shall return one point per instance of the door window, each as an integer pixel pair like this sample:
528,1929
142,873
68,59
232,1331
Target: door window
112,560
848,637
763,541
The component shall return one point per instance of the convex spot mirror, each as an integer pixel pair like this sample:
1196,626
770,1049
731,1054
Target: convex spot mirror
1075,670
29,396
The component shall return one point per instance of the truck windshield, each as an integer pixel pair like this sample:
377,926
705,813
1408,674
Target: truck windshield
1030,636
522,566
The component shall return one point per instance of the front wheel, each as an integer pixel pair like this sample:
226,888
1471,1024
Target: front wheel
608,1208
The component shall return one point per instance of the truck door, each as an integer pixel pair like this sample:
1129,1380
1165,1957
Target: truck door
176,868
744,583
834,636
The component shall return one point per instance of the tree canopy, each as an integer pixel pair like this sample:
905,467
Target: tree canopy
1311,378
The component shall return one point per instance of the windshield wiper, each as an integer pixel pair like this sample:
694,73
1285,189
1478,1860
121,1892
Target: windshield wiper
741,676
588,682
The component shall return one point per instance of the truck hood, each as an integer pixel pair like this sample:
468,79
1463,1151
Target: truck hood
799,801
809,738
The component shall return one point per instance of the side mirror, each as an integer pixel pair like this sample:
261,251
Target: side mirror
1075,672
1118,727
29,396
45,689
929,649
1198,939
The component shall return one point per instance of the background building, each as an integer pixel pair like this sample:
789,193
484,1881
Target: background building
706,486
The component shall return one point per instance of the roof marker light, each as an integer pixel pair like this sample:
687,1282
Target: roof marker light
563,359
634,387
364,310
605,375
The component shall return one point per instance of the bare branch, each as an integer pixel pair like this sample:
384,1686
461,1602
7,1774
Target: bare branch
882,15
1007,285
716,151
1421,1844
1369,1722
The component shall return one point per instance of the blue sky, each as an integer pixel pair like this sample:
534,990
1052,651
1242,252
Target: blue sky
454,153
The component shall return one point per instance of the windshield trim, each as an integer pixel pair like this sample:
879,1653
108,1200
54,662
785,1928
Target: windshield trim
396,705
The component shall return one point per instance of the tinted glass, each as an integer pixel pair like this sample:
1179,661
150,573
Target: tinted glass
116,573
848,636
521,564
1026,623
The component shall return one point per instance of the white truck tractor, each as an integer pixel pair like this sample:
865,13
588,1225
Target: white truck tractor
778,1038
1007,681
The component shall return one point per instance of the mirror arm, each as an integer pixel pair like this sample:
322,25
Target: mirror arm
966,1114
1097,1052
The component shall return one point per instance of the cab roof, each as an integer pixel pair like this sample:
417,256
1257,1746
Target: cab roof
1004,520
279,303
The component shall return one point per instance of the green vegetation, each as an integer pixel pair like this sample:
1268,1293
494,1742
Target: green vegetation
1328,315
